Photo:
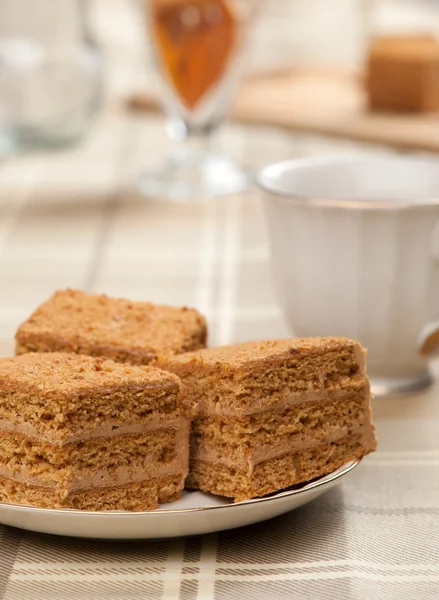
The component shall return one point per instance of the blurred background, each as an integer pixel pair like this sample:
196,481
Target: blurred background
79,84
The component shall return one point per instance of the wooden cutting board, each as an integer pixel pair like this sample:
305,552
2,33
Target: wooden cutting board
326,102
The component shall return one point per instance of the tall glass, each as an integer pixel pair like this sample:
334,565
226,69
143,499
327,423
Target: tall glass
50,72
198,47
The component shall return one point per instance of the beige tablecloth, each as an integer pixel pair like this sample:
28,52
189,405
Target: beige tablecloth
73,219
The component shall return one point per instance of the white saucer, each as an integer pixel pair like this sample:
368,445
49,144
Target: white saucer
194,514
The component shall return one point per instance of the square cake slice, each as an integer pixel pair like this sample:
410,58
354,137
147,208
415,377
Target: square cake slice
97,325
89,433
274,414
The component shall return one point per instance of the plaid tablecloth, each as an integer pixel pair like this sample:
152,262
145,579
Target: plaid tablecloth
73,219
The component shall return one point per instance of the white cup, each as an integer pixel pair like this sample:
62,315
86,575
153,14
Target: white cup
353,254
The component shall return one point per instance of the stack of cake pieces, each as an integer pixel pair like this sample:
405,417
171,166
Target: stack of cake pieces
273,414
84,432
90,433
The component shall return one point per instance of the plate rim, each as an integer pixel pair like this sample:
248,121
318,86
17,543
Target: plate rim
325,479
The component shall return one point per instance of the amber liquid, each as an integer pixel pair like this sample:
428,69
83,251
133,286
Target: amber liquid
195,40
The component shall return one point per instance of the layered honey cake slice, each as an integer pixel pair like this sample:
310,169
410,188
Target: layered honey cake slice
89,433
97,325
276,413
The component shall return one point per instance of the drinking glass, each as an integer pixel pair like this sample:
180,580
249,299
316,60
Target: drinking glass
50,72
198,48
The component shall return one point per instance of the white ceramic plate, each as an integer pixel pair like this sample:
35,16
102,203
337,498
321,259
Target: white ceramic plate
194,514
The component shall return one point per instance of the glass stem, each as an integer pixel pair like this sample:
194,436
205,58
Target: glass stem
191,141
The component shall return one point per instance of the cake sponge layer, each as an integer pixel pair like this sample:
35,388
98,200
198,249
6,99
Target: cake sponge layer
61,395
256,376
97,325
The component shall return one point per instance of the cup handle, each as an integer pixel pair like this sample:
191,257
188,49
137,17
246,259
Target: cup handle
428,342
429,339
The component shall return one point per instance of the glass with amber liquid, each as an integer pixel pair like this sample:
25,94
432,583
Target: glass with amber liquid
198,46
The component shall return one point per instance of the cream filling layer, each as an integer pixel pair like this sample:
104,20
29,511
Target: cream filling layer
106,430
100,478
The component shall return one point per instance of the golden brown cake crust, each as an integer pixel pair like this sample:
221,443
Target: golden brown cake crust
240,355
97,325
62,373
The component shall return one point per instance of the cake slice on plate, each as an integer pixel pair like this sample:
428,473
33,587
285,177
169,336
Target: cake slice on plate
97,325
89,433
276,413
